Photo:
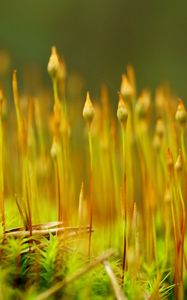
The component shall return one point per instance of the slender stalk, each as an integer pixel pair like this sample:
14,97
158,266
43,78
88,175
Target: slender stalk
114,167
182,237
27,191
2,173
176,239
91,189
88,115
90,149
55,90
167,231
58,151
23,140
58,190
124,261
39,128
80,208
182,131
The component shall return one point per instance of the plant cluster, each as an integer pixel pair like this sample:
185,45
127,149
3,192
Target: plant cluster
92,199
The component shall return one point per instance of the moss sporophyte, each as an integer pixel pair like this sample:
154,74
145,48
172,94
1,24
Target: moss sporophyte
92,192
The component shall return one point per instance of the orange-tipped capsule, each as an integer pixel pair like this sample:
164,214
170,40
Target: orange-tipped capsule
53,64
88,110
181,115
127,89
122,112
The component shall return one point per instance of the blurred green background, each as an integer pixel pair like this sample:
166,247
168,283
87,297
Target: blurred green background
99,37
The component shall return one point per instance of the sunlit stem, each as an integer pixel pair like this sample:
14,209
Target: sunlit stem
183,143
182,231
167,236
2,174
22,137
115,178
39,127
90,149
124,262
176,232
55,91
58,189
27,191
91,188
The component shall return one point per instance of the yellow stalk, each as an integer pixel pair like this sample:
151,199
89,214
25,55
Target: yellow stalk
22,138
91,189
125,246
2,209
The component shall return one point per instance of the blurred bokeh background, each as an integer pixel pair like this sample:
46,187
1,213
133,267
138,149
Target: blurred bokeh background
98,38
